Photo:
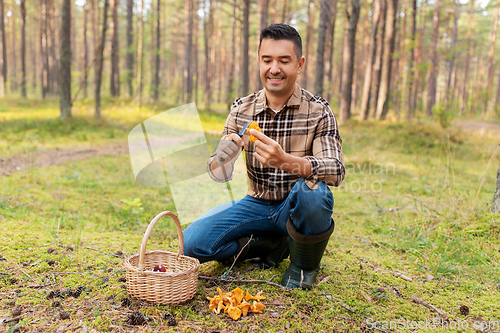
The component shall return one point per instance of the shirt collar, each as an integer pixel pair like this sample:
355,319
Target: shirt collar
292,101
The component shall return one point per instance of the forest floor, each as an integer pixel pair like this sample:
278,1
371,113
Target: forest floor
415,243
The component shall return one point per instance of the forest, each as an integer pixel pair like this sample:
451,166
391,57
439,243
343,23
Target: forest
415,87
399,58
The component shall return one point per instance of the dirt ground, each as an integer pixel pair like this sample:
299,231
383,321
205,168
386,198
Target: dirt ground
47,158
52,157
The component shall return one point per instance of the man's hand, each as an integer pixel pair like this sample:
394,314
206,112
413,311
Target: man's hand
228,150
270,153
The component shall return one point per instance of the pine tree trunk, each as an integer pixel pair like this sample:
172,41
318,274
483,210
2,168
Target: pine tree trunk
230,74
23,47
263,9
385,76
115,74
246,35
377,66
54,62
99,62
331,37
156,83
284,12
431,95
13,49
411,67
188,51
348,60
139,54
495,204
310,14
491,63
465,92
324,20
65,62
3,69
207,32
372,50
195,50
85,51
452,59
44,49
130,42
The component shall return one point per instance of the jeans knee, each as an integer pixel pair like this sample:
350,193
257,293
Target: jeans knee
320,199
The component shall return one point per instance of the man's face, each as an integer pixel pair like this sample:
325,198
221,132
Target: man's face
279,66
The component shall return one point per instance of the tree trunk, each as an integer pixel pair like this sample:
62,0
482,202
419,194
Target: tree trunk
139,54
65,62
130,42
263,9
44,50
452,59
385,76
324,20
497,99
495,204
54,62
156,82
372,49
310,23
465,92
114,86
411,67
100,58
195,50
188,51
207,32
377,66
331,37
13,49
491,63
230,74
23,47
284,12
246,60
3,70
85,51
431,95
348,60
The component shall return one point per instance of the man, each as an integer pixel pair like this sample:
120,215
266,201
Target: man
289,206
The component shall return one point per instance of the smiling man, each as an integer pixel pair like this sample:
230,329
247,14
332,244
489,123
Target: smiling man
288,208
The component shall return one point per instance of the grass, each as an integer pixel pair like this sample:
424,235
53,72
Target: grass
415,202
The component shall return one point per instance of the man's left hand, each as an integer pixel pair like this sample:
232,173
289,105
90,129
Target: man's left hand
268,151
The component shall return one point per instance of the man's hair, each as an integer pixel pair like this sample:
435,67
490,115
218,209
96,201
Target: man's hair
280,31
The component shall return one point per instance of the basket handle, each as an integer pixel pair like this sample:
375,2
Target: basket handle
180,251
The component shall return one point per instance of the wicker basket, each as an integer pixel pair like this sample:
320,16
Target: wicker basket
162,287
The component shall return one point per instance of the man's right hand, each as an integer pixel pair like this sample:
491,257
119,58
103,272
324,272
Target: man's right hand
228,151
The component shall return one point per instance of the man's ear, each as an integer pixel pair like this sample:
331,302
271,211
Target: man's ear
301,64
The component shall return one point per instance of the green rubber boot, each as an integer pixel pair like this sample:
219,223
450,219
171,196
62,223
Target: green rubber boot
305,257
264,252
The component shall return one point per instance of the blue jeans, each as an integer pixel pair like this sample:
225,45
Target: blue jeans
214,235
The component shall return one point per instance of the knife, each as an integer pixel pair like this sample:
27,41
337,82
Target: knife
240,133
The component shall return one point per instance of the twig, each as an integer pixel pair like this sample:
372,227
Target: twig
111,255
239,253
40,285
2,273
8,320
33,245
204,277
67,273
429,306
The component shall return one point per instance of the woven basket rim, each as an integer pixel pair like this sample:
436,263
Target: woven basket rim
132,268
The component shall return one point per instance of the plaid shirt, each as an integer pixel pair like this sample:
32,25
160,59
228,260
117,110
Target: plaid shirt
305,127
